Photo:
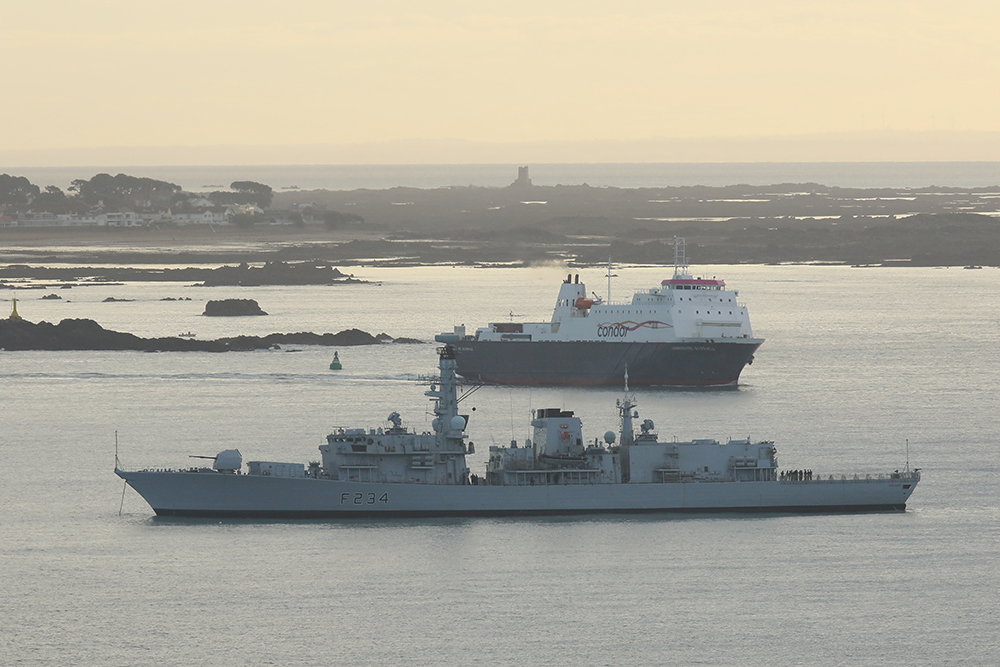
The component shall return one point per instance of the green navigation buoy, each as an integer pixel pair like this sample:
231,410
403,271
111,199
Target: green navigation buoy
335,364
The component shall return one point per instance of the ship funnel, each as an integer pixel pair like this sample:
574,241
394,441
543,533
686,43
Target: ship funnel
557,434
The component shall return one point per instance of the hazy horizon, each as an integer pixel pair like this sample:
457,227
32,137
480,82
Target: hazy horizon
874,146
449,82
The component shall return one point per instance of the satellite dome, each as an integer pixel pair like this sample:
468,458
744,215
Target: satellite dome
609,437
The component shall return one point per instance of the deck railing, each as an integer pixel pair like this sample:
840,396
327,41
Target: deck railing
912,476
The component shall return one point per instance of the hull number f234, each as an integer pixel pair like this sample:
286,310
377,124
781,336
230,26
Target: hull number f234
363,498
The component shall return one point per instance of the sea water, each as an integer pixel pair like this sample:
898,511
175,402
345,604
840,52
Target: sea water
861,368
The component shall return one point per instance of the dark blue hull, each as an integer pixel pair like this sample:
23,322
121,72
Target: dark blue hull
598,363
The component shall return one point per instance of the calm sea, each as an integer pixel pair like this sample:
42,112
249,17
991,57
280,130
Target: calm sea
350,177
856,363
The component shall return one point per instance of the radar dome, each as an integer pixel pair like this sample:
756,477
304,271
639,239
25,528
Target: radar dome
609,437
458,423
436,424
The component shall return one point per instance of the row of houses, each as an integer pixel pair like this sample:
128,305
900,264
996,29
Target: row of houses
215,215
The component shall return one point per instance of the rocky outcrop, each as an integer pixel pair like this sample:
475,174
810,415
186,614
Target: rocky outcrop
82,334
232,308
277,273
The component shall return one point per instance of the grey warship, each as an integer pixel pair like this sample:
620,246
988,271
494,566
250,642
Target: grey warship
391,471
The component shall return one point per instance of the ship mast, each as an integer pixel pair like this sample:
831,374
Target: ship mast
680,258
625,406
627,438
445,394
610,276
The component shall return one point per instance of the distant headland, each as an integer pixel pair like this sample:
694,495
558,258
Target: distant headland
118,219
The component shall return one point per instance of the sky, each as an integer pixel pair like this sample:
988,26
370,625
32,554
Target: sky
382,81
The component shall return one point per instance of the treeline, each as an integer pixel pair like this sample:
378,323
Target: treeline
119,192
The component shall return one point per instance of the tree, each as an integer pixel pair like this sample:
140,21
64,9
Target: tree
125,191
263,194
54,200
16,191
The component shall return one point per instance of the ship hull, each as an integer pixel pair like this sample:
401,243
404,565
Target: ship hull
600,363
208,494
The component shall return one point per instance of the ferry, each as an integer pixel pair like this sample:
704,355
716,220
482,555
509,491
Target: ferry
690,331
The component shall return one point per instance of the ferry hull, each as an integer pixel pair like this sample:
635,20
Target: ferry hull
598,363
208,494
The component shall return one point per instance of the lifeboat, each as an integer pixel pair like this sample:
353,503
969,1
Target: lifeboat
584,304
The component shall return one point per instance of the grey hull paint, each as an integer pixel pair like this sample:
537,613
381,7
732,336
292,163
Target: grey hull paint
586,363
209,494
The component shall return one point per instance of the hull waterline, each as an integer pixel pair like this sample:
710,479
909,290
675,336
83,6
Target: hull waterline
603,364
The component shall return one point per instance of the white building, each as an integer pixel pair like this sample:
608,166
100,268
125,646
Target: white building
208,216
46,219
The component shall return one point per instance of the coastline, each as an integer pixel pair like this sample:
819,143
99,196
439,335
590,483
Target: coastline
577,225
971,240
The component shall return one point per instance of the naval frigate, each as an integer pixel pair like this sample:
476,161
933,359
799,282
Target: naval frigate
392,471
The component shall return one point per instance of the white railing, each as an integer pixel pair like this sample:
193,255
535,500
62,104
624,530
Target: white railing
855,477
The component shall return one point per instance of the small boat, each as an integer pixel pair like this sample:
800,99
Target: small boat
335,364
186,335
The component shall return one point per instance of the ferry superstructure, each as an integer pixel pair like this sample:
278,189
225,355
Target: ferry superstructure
689,331
392,471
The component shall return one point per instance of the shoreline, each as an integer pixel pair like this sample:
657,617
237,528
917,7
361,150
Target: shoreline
576,240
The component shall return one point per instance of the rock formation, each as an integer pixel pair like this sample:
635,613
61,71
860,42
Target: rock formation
83,334
232,308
